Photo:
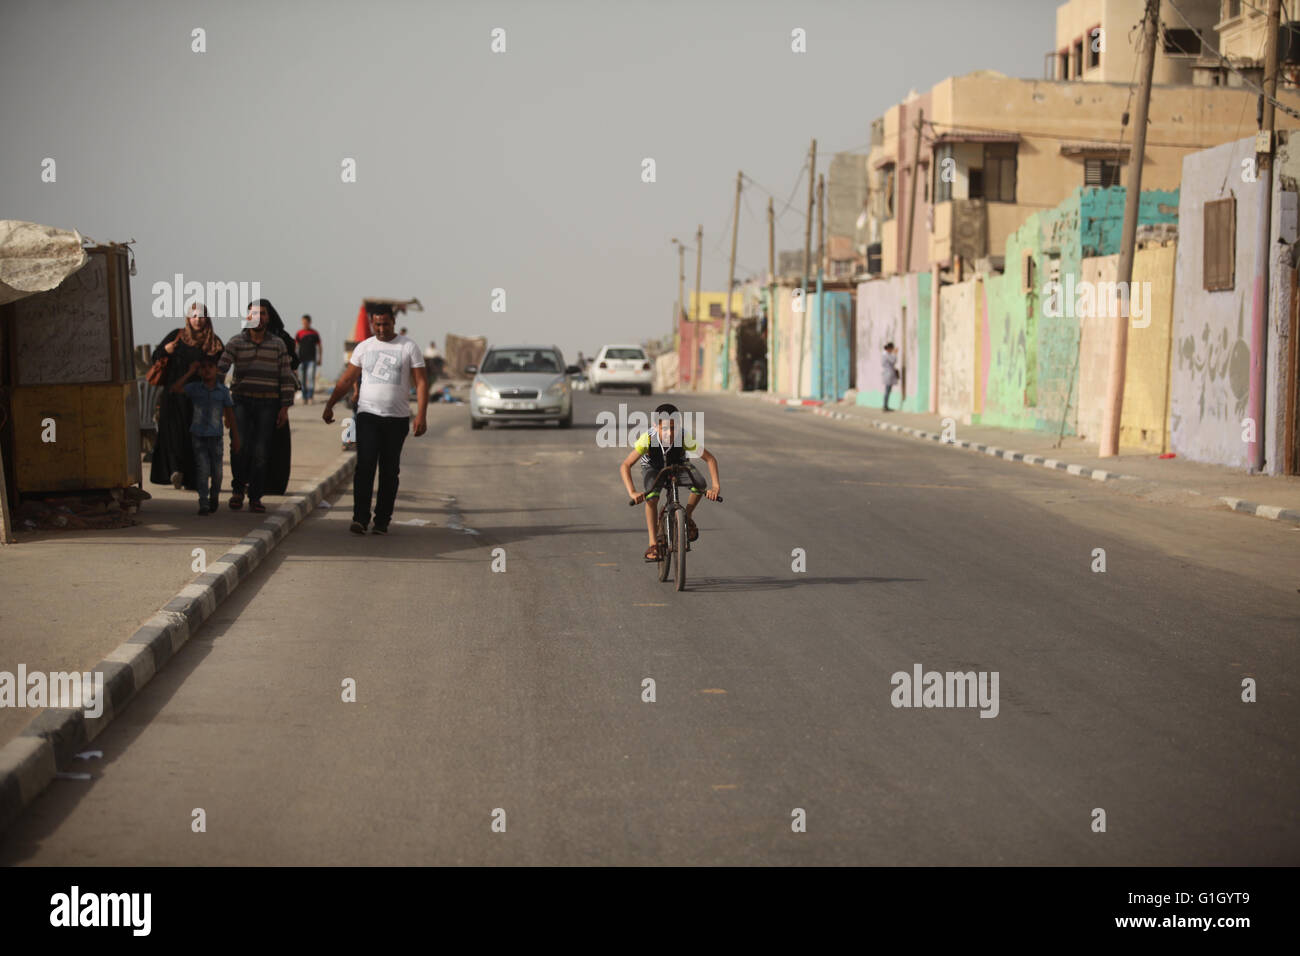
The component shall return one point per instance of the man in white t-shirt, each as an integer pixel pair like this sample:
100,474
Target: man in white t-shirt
385,363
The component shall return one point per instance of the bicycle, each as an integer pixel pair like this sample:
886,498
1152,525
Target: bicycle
670,529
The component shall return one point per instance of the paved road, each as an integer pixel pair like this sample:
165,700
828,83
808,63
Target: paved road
522,690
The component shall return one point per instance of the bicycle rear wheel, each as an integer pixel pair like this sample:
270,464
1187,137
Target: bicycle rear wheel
664,540
679,532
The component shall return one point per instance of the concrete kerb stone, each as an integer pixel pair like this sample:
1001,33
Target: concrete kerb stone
1272,512
55,735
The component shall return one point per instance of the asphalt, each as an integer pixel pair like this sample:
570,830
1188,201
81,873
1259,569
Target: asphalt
521,690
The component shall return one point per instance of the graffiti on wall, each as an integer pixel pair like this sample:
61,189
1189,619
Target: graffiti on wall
1221,369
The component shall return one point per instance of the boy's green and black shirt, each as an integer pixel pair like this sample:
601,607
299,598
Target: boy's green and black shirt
656,456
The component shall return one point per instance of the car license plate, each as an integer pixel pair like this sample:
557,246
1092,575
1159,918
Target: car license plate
522,406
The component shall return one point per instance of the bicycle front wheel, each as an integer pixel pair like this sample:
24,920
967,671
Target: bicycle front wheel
679,532
665,546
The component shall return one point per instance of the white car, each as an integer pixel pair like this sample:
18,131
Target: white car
621,366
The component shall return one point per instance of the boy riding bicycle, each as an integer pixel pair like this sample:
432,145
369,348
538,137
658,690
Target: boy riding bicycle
657,449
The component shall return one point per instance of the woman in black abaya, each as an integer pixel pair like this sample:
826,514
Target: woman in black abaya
173,455
277,467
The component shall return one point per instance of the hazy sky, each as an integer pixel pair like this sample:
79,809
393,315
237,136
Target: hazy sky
475,170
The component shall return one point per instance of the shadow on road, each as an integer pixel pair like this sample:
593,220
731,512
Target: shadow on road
756,583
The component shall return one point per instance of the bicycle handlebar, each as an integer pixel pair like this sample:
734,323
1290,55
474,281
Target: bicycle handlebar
633,504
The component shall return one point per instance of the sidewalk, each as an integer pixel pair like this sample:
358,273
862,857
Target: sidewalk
70,597
1135,471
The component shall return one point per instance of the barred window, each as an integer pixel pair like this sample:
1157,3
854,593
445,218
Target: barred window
1219,245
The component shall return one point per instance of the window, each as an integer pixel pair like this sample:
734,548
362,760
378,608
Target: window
1095,42
715,310
887,185
1231,8
943,163
1077,58
1063,65
999,179
1101,172
1182,43
522,360
1219,245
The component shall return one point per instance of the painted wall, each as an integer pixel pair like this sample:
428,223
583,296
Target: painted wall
883,307
1094,352
1034,359
831,326
1210,376
1210,383
1145,422
957,350
790,351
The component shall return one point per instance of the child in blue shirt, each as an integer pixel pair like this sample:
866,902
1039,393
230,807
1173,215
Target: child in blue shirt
212,404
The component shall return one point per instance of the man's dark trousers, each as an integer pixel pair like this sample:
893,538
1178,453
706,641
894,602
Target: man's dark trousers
379,442
255,419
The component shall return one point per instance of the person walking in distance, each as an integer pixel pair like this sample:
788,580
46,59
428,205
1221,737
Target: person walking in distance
309,354
263,388
385,365
888,371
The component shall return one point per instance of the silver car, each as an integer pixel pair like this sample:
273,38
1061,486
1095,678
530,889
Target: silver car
521,383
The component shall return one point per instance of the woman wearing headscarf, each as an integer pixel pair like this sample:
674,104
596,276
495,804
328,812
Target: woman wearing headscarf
280,460
173,454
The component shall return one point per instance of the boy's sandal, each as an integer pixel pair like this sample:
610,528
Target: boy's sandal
692,532
652,553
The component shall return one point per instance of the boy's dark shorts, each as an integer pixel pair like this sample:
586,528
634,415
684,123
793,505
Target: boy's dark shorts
698,483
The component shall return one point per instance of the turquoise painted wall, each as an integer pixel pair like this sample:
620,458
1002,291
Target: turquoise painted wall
832,325
1028,365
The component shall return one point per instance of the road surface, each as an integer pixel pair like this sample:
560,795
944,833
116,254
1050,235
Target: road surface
521,691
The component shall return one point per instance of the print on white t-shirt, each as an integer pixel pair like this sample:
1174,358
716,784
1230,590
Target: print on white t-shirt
386,375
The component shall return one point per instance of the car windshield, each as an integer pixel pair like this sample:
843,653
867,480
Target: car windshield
625,354
522,360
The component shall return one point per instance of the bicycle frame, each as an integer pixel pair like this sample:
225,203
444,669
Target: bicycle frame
671,522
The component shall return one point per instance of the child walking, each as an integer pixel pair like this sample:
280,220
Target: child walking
212,405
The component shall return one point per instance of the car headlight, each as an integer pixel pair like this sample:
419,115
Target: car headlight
558,387
483,390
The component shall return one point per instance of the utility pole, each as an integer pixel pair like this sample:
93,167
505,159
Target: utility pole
681,289
803,288
731,281
1111,413
821,260
911,206
695,332
771,295
1264,216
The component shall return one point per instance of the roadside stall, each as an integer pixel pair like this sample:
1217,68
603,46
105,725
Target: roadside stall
69,399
